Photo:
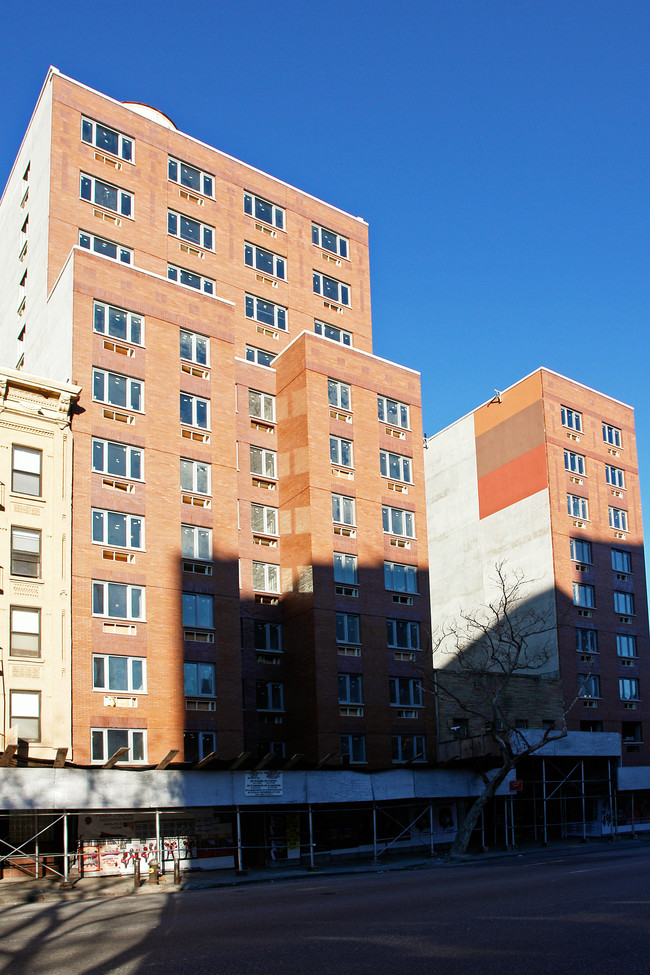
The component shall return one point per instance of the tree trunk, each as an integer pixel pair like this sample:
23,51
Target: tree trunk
466,828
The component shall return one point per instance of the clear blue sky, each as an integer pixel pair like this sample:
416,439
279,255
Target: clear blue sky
497,148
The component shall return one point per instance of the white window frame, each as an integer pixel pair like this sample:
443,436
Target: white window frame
340,293
621,560
125,144
104,587
98,245
346,630
268,629
130,522
404,465
584,595
397,572
573,462
198,352
629,689
343,510
31,470
416,746
206,744
124,200
130,733
273,692
266,577
268,465
266,411
176,228
346,569
350,688
626,645
577,507
201,670
405,692
615,476
254,256
410,630
398,521
175,175
581,550
571,419
353,747
337,393
131,662
589,686
269,518
276,218
194,466
259,356
612,435
330,241
196,405
618,519
586,644
267,313
190,279
133,323
393,412
25,706
193,533
332,333
624,603
134,388
342,449
192,613
30,556
129,455
25,628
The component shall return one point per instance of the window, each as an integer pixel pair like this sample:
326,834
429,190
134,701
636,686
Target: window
353,748
628,689
198,610
114,528
574,462
263,462
196,543
396,521
403,634
118,601
624,603
119,459
577,507
118,390
614,476
343,510
618,519
259,356
266,577
332,333
400,578
408,748
193,231
106,139
395,466
269,213
581,550
106,195
195,411
25,714
583,595
188,279
625,645
266,312
612,435
269,696
26,471
331,289
595,727
572,419
195,348
118,323
345,569
104,742
341,452
25,552
588,685
267,636
631,731
265,261
189,176
261,405
350,689
199,679
197,745
347,628
25,635
621,560
405,692
338,395
264,519
586,640
390,411
119,674
329,241
106,248
195,476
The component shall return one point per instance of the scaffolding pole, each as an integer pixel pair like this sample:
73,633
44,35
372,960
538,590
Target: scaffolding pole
311,838
65,847
584,812
431,844
239,856
545,840
374,830
159,856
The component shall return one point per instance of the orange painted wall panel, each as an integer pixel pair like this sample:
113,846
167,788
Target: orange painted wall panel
514,481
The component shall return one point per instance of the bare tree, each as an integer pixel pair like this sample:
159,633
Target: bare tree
488,664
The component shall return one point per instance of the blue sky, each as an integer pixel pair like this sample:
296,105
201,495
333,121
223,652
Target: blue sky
497,148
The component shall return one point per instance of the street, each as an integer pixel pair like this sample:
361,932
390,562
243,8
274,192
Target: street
583,913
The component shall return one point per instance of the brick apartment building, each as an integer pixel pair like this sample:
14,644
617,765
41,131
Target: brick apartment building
249,556
544,477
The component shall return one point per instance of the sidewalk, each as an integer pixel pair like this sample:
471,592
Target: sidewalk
84,888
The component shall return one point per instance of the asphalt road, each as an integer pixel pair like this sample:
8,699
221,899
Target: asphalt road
585,914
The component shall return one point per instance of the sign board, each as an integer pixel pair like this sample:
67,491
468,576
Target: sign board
516,785
263,785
